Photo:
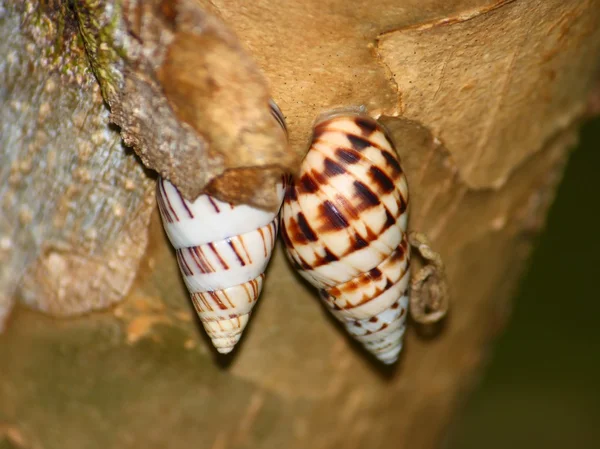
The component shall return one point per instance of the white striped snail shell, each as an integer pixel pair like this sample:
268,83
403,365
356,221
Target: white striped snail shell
344,223
222,251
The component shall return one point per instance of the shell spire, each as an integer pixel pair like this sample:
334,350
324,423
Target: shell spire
344,224
222,250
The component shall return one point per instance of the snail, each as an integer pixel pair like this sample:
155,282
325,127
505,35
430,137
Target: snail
222,251
343,223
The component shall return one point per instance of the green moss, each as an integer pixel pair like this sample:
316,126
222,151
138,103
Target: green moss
52,26
99,25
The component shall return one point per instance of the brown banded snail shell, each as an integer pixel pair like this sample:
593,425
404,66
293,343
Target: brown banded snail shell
222,251
344,224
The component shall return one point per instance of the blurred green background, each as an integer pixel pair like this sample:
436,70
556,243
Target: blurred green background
541,388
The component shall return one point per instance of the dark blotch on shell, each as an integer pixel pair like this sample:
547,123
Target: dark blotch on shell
402,206
375,273
392,162
347,156
329,256
366,124
369,199
358,143
359,242
291,193
332,168
389,220
333,219
380,178
308,184
400,251
306,229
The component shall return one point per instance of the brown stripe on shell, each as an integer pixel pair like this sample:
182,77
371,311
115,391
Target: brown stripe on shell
392,162
237,254
320,178
216,253
390,220
296,234
215,297
373,275
228,299
368,197
174,217
183,265
332,168
199,299
305,228
200,259
331,218
214,205
162,208
308,184
241,240
254,285
347,207
272,228
328,258
381,179
358,143
348,156
401,203
183,203
291,193
384,177
368,298
262,237
366,124
357,242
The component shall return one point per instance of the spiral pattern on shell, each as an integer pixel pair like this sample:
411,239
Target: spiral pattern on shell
344,223
222,250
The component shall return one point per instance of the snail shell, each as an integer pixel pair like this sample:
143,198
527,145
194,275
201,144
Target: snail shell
222,251
344,223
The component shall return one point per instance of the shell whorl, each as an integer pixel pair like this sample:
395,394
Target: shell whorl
344,223
222,251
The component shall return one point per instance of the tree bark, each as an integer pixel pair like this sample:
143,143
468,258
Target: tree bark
483,99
